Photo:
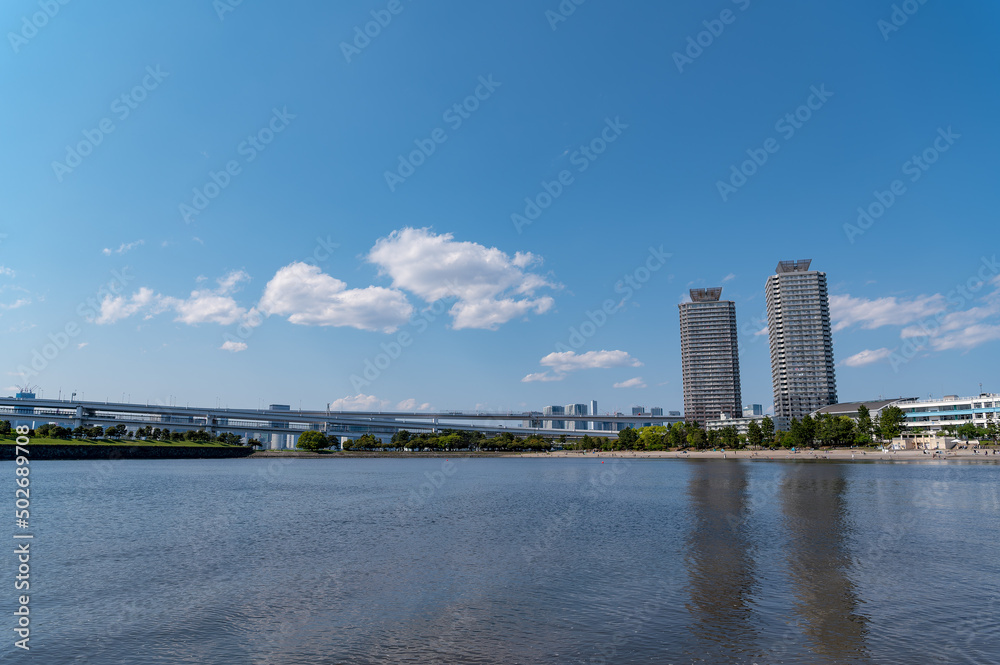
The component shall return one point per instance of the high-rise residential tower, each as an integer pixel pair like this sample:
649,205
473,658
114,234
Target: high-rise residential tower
798,325
710,363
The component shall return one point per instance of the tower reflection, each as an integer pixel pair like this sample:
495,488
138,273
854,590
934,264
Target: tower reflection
719,560
815,511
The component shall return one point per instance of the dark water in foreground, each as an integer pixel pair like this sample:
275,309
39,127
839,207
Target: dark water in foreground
510,561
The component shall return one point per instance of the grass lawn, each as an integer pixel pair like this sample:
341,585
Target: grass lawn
124,443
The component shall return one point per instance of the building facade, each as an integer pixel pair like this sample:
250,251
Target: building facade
798,323
742,425
933,415
710,364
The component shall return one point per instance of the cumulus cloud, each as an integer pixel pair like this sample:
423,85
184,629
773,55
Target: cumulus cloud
846,310
637,382
564,362
411,405
233,347
115,308
569,361
123,248
308,296
360,402
491,286
867,357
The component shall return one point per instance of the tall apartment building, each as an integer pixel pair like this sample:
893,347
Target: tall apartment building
710,364
798,324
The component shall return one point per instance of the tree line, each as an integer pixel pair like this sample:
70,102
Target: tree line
121,432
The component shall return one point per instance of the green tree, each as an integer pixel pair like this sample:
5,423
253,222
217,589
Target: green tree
4,428
864,426
729,437
676,436
313,441
992,429
254,443
890,422
401,438
755,435
966,431
767,431
627,438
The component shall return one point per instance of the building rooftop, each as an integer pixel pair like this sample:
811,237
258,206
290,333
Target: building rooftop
706,295
851,408
802,265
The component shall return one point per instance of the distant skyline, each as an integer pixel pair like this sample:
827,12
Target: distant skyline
494,207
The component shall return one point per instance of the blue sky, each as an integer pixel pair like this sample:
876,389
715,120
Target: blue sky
205,203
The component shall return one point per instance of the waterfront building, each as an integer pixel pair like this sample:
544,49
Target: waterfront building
928,415
710,364
753,410
781,423
933,415
798,323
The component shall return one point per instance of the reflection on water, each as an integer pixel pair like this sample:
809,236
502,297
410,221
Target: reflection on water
217,562
720,561
818,559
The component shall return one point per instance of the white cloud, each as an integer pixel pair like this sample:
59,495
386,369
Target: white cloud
6,272
728,277
123,248
115,308
568,361
233,347
82,344
20,302
637,382
204,307
542,376
411,405
307,296
230,281
359,402
846,311
563,362
762,331
867,357
491,286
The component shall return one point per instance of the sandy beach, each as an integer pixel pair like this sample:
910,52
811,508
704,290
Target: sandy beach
840,455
